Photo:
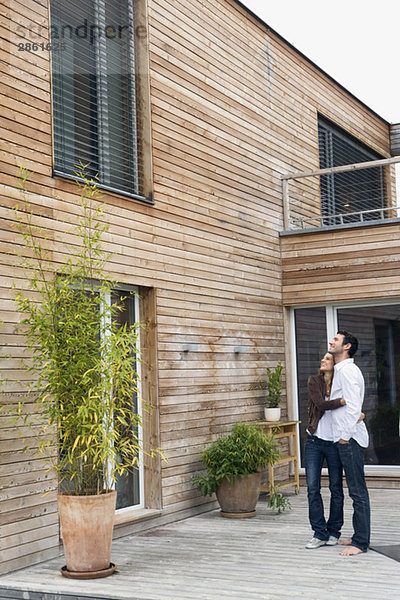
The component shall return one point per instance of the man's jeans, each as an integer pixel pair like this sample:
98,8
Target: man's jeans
315,452
352,457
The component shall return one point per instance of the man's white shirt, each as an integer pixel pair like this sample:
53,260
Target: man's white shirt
348,383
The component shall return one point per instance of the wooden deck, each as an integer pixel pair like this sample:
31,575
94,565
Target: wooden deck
208,557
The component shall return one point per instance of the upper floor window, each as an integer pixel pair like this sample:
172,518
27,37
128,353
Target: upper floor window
352,191
95,116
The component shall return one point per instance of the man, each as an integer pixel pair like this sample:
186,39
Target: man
351,436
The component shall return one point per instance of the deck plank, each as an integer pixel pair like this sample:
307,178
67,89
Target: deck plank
207,557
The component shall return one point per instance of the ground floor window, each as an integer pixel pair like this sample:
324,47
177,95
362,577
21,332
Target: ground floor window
129,486
377,328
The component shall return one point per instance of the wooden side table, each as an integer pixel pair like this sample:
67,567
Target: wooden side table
281,430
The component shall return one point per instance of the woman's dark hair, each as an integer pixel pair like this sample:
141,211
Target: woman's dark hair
348,338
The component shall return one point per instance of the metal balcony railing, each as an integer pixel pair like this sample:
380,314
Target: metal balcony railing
338,196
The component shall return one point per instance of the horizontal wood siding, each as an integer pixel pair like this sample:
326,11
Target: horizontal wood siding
231,113
29,529
349,264
232,109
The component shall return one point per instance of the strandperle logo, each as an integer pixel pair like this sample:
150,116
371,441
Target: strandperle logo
84,31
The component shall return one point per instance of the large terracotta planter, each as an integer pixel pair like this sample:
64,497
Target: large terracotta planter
239,500
87,525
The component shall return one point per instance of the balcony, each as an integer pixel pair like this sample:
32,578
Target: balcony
352,195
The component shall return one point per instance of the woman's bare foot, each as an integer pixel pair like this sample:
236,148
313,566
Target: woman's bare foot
345,542
350,551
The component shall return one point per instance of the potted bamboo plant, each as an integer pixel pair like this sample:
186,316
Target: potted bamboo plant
84,371
234,464
273,386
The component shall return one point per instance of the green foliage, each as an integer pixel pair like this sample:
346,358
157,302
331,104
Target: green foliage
273,385
83,363
245,450
278,501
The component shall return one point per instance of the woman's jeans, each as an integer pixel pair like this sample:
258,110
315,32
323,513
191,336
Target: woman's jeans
315,452
352,458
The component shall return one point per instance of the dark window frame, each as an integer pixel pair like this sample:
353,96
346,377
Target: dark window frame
353,191
95,87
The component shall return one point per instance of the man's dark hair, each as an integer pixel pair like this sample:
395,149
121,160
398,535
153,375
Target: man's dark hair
348,338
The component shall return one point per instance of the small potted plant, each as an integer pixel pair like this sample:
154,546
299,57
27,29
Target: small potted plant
273,385
233,469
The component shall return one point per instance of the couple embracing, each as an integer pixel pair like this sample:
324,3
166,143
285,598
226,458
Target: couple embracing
336,432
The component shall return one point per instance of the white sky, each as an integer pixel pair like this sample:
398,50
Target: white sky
357,42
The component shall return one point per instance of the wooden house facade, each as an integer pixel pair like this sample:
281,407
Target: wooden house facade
224,107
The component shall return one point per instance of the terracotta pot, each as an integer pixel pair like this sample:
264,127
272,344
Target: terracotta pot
87,526
240,499
272,414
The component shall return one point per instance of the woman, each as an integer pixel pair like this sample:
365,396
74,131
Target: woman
320,446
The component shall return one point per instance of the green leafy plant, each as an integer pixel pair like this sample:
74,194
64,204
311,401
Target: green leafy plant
245,450
273,385
278,501
83,363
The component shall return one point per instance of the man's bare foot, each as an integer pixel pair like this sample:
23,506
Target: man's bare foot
350,551
345,542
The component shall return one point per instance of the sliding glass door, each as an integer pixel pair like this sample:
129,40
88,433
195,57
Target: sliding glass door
377,328
311,344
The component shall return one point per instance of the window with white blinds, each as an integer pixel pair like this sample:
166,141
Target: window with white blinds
349,192
94,95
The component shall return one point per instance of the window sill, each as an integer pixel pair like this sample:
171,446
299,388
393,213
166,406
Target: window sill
106,188
134,515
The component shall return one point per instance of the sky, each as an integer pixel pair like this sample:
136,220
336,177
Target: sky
357,42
